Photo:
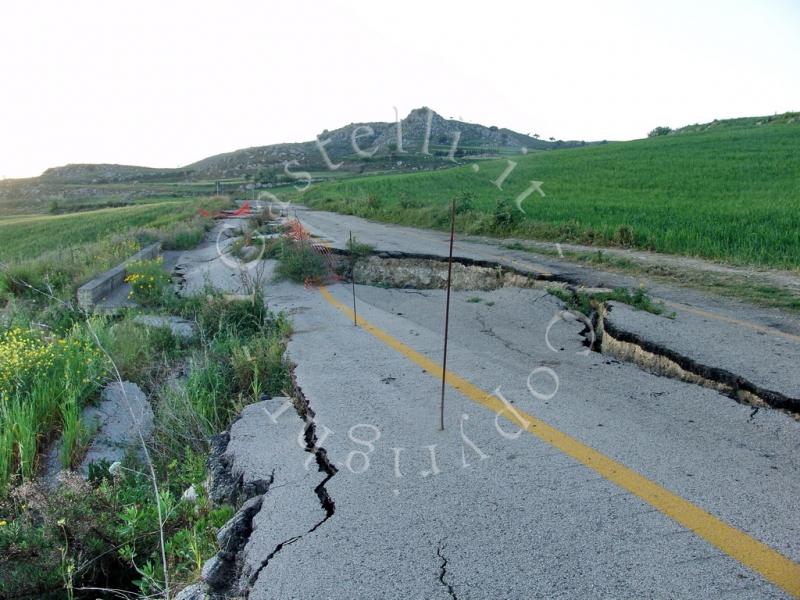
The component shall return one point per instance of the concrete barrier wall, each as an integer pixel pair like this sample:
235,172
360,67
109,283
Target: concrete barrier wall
102,285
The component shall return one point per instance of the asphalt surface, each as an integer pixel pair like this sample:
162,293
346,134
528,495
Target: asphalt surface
335,228
506,513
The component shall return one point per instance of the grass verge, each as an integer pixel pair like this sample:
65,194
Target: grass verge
735,286
105,533
58,254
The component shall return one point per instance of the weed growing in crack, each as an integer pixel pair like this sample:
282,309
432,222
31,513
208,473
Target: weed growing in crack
586,302
358,249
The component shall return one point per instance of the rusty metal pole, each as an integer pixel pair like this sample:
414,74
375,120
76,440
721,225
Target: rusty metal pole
447,310
353,278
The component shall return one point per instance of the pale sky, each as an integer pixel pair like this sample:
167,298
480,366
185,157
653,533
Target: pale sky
166,83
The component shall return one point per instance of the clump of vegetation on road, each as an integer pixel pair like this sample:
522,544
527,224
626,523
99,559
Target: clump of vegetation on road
586,302
150,284
299,261
358,249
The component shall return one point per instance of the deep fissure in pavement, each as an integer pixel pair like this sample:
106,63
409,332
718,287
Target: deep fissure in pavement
222,571
301,405
660,360
227,488
399,270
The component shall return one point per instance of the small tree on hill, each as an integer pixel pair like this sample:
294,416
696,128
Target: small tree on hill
659,131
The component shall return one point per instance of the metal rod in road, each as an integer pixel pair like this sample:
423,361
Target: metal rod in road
447,310
353,278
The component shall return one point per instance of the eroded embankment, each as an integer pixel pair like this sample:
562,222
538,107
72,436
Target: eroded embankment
414,271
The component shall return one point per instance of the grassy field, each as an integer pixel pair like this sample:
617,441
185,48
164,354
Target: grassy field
32,197
23,237
60,252
728,191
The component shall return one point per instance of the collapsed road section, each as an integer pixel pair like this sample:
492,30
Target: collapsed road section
681,346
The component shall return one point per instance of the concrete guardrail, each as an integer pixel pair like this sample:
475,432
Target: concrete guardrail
101,286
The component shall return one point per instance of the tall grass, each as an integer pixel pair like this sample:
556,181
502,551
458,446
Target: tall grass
298,261
242,357
31,236
44,384
726,192
60,253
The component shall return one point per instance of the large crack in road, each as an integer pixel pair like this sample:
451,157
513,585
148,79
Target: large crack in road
327,504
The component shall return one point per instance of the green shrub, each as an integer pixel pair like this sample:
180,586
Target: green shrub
465,202
624,236
259,367
659,131
506,216
586,303
139,352
298,261
184,237
404,202
243,317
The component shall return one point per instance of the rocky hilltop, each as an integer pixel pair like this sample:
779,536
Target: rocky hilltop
447,140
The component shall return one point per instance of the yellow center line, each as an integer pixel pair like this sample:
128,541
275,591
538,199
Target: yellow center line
759,557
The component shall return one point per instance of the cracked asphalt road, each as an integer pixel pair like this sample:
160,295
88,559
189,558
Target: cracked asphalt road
483,509
393,238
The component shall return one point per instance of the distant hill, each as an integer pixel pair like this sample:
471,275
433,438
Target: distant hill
104,173
266,163
473,140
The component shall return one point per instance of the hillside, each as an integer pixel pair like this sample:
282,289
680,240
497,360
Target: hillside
105,173
266,162
726,190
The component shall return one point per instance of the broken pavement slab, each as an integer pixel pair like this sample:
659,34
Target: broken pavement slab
123,415
714,351
266,453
